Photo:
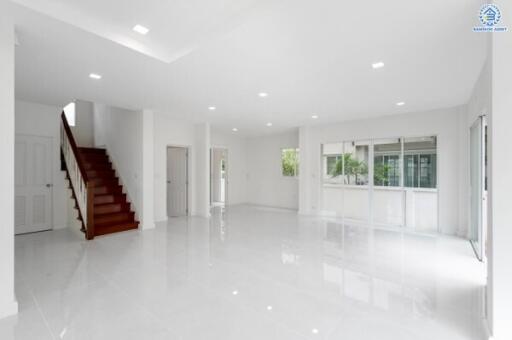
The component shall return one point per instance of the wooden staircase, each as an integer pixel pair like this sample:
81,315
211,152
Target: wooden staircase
112,211
99,199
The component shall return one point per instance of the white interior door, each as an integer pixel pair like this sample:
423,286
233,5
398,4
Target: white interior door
33,184
177,181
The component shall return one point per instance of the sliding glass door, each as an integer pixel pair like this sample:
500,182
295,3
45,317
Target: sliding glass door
477,180
389,181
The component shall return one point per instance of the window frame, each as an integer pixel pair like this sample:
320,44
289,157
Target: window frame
371,164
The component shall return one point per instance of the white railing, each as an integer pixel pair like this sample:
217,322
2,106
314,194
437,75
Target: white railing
77,175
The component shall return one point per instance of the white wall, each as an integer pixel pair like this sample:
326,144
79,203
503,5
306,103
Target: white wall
83,131
123,139
266,185
8,303
202,178
443,123
148,170
500,236
237,164
44,121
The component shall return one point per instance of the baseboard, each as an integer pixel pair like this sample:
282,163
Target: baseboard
60,227
271,208
147,226
8,309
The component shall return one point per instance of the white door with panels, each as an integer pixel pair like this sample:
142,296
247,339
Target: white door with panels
33,184
177,181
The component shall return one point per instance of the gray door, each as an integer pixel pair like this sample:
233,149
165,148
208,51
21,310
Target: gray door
177,181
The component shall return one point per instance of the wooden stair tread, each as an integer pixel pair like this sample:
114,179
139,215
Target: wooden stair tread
111,208
105,229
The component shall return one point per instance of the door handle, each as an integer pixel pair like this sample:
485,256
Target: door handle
49,185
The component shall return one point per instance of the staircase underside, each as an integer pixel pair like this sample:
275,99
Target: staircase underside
112,211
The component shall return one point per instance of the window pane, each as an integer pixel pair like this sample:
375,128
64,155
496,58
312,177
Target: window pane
290,162
355,162
386,162
70,113
422,172
333,162
411,171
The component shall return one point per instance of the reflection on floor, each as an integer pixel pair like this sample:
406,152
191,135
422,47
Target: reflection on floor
248,273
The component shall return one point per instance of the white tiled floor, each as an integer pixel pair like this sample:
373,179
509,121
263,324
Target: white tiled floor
248,273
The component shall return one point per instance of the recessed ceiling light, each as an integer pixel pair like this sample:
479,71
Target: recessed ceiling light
141,29
314,331
377,65
94,76
314,116
400,104
269,124
235,129
235,292
212,108
269,307
263,94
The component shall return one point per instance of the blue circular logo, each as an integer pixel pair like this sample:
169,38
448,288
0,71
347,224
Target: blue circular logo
490,15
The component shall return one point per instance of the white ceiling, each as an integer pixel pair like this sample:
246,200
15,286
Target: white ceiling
310,56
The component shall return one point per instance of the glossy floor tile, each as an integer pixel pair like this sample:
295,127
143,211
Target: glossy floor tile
247,273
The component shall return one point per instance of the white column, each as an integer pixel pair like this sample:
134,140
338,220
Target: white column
8,304
148,170
500,238
202,174
304,171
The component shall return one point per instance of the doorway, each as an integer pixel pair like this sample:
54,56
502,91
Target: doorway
478,186
177,181
218,177
33,184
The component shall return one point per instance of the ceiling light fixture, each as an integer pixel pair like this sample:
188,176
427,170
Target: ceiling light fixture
234,129
95,76
263,94
314,331
314,116
212,108
269,124
400,104
235,292
377,65
269,307
141,29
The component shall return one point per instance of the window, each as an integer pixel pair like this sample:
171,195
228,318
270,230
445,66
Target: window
387,154
290,162
420,162
70,113
413,159
346,163
333,163
355,162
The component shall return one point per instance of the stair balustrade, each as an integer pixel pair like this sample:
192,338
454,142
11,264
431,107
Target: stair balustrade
83,191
